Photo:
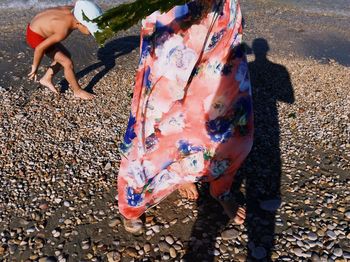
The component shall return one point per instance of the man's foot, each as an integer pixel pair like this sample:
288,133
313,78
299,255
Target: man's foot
133,226
188,191
234,211
82,94
48,83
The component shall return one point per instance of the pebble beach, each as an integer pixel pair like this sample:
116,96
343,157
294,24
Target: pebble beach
59,156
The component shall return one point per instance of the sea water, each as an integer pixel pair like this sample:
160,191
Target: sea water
331,7
41,4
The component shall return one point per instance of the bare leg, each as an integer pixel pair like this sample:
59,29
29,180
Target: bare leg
77,90
220,190
61,56
46,80
188,191
233,210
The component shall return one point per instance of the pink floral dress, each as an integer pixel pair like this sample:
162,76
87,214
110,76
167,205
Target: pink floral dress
191,117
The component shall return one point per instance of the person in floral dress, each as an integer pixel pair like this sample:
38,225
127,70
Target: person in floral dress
191,117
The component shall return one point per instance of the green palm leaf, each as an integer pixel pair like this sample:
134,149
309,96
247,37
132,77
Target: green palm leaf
126,15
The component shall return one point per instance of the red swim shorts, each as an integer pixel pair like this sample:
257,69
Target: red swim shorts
33,39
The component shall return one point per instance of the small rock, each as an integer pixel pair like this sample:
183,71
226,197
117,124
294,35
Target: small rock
23,222
172,252
149,219
185,220
173,222
156,228
223,248
86,246
147,248
43,206
56,233
2,250
177,247
298,252
259,253
113,256
164,246
229,234
347,214
170,240
338,252
114,222
216,253
331,234
312,236
58,200
315,258
240,257
108,166
47,259
131,252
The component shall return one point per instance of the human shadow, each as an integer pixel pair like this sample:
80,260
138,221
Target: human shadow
271,84
107,56
229,122
261,172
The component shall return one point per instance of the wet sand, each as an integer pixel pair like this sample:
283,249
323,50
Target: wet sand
59,159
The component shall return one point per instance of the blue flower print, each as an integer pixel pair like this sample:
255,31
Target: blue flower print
215,39
219,129
129,134
145,48
242,76
218,167
186,148
242,109
146,81
134,199
151,142
181,11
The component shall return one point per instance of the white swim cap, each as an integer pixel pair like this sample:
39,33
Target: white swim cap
91,11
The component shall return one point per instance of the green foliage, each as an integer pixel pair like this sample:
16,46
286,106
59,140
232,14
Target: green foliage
126,15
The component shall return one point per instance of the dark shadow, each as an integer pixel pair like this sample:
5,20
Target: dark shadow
210,221
235,121
262,170
107,56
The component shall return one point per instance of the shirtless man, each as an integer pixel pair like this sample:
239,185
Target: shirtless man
48,29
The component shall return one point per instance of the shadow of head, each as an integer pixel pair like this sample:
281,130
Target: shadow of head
260,48
118,47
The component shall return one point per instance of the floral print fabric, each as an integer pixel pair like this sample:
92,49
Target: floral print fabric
191,117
